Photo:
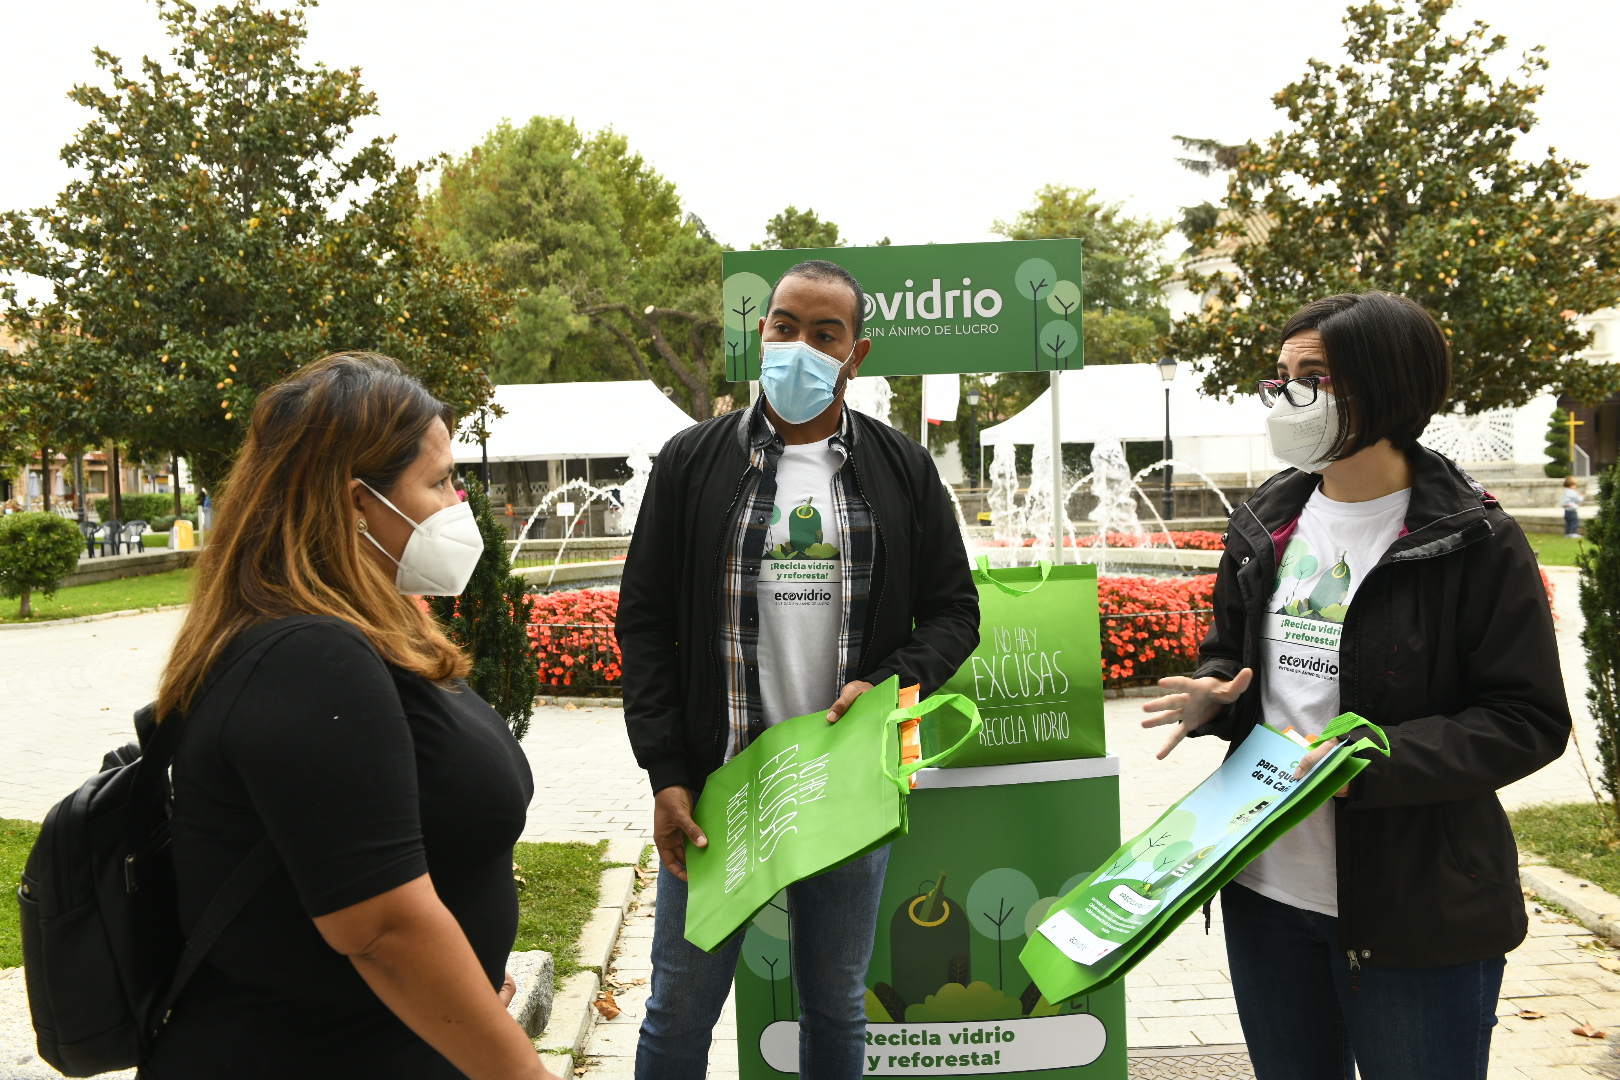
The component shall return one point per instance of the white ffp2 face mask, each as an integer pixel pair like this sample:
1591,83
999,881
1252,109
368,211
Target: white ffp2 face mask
1301,434
439,558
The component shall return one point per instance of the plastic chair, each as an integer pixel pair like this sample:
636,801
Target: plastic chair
112,537
133,544
92,537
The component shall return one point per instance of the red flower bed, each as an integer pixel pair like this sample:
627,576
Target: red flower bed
1136,642
574,631
1194,539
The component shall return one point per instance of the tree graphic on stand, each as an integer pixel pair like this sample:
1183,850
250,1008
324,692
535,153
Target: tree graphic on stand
1065,300
1036,280
996,906
744,297
1059,339
768,951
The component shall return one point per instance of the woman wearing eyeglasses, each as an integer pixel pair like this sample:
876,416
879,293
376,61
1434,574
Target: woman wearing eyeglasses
1376,577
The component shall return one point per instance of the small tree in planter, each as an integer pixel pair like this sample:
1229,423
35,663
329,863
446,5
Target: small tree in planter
490,621
36,552
1600,606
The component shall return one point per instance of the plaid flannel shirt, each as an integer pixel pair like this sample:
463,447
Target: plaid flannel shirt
739,630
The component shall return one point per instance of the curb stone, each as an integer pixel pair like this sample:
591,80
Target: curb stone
563,1040
97,618
581,702
1595,907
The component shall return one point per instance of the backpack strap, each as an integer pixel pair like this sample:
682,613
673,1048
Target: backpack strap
255,869
246,880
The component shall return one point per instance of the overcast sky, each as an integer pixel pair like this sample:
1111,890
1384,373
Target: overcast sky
918,121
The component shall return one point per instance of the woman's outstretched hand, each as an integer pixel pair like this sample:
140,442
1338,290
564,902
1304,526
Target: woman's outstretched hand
1190,703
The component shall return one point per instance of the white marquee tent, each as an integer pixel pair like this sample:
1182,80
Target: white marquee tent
1126,402
556,421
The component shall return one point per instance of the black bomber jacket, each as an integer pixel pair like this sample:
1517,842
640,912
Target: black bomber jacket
922,621
1448,647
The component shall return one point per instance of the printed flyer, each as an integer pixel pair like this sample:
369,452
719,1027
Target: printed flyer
1115,917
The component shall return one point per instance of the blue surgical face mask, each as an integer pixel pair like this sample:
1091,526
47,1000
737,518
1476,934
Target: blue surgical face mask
800,381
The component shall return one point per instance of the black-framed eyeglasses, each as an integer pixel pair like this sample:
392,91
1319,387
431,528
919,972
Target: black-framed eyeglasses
1299,392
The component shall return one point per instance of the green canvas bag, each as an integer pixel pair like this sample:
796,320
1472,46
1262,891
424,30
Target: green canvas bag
1037,673
806,796
1125,908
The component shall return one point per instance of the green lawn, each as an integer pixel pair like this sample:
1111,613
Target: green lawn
152,590
152,540
561,884
1554,550
1578,838
16,840
559,887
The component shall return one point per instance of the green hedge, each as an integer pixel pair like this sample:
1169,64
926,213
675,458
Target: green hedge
143,507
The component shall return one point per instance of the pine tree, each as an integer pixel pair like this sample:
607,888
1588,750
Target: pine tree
1600,606
490,621
1557,444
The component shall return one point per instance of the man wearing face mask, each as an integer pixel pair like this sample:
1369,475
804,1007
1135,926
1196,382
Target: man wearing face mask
787,557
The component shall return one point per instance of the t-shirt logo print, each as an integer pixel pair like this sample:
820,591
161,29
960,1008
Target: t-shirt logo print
1326,601
805,534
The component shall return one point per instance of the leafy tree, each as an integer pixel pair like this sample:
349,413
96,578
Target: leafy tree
1123,309
36,552
795,228
216,237
1399,172
1557,444
609,280
490,622
1599,560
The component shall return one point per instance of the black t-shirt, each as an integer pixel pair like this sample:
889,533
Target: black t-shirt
365,776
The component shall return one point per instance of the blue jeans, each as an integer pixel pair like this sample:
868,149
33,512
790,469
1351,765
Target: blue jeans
833,919
1572,522
1306,1016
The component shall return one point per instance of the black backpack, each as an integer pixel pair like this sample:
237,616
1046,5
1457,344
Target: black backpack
102,950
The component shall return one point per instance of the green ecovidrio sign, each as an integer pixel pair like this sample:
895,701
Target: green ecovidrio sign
932,308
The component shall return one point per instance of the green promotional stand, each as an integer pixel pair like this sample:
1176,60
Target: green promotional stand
992,846
989,850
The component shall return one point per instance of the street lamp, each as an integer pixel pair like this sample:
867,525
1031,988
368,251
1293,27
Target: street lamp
1167,371
973,429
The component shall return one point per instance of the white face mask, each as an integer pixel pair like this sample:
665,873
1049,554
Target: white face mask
440,555
1301,435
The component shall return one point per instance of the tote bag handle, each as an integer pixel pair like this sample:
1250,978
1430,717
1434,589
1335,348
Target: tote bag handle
891,725
983,575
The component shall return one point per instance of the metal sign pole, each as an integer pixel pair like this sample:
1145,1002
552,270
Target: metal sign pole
1057,472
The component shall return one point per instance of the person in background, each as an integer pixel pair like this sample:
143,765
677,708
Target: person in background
1376,577
1571,502
391,792
716,648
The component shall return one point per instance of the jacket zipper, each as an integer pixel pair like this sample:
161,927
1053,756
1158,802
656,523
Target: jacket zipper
714,602
1355,971
871,619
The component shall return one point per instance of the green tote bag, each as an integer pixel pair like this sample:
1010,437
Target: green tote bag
806,796
1037,673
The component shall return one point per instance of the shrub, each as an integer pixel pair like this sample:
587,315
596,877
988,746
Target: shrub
37,551
1137,644
1557,444
164,524
490,621
144,507
1599,561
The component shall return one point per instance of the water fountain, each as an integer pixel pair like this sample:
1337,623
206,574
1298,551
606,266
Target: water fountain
871,395
591,494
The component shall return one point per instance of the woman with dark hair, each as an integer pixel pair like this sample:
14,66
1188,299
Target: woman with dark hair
346,748
1376,577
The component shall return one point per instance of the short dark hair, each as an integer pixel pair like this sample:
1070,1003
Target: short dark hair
822,270
1389,360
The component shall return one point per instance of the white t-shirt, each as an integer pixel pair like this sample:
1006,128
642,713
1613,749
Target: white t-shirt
801,583
1331,551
